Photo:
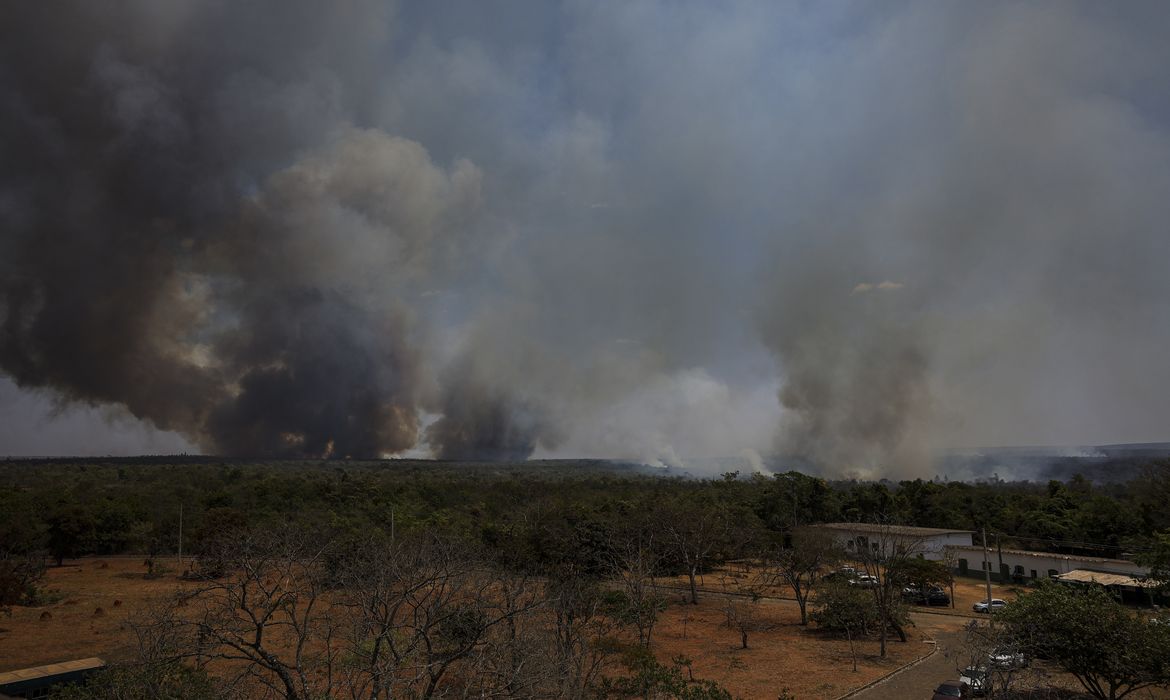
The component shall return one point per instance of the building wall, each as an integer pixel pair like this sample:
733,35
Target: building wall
932,547
1042,563
954,539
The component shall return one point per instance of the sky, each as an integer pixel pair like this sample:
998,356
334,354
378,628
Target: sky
851,232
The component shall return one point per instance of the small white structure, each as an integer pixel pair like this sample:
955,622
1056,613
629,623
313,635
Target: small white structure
1026,565
870,538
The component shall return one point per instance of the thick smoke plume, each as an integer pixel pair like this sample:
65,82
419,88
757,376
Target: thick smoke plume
206,239
660,231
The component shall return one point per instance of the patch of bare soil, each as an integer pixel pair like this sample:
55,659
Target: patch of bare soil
95,598
807,662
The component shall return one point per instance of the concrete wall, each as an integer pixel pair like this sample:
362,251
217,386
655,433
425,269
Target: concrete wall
1043,564
931,547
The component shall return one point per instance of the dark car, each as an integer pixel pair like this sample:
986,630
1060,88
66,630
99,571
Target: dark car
947,690
933,596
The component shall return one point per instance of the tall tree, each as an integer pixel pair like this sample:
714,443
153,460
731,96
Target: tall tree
846,609
883,556
1092,636
802,565
693,531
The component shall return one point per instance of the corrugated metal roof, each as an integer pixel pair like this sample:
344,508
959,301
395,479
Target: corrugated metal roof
1051,555
1104,579
906,530
25,674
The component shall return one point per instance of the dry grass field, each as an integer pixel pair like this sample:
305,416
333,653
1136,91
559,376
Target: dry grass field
806,662
97,596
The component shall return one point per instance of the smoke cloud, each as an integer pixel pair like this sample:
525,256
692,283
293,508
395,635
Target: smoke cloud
850,235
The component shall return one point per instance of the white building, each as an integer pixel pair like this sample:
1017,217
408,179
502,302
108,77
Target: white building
1024,565
930,542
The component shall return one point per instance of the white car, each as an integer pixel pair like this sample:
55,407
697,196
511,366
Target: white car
974,679
866,581
984,606
1007,658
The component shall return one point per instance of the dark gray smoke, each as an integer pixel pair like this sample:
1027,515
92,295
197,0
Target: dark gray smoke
654,231
481,423
194,229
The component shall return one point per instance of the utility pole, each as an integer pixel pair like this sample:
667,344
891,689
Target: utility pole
999,548
987,572
180,538
793,482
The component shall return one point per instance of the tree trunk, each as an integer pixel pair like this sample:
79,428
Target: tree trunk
852,649
898,628
743,639
694,588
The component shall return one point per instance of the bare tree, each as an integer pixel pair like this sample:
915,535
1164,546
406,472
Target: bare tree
164,665
635,566
845,608
743,615
295,616
425,606
267,617
581,628
802,565
693,532
881,552
994,659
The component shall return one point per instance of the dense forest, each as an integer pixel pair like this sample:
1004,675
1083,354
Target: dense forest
110,506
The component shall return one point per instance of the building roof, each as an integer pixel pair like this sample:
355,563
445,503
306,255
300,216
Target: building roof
904,530
1104,579
28,674
1047,555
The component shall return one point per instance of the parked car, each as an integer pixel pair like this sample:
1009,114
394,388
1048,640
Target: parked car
995,605
866,581
933,596
974,680
947,690
1006,657
844,573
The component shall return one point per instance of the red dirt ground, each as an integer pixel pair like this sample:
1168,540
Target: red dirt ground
807,663
75,630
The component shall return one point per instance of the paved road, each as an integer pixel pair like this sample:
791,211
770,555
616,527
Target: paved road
921,680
